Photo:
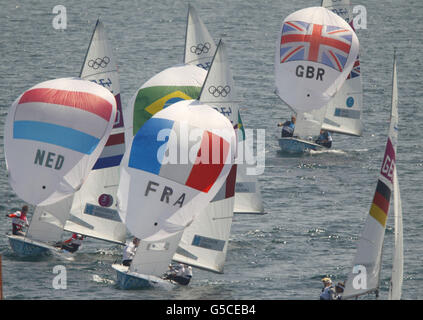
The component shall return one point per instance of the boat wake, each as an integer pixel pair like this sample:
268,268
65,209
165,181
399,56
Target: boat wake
98,279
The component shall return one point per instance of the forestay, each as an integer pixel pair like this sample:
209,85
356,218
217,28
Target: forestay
171,163
54,133
94,211
368,257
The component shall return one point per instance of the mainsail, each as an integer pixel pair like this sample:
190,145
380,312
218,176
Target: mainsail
199,45
94,210
315,53
365,275
54,133
343,114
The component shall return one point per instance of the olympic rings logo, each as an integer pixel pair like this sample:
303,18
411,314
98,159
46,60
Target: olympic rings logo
200,48
219,91
99,62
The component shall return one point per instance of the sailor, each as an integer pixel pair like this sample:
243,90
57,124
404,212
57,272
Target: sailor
129,251
288,127
181,274
19,221
328,292
72,244
339,290
324,139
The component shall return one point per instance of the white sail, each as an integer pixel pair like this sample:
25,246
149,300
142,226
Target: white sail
247,190
344,110
94,210
48,221
199,45
204,242
395,287
368,257
343,114
153,257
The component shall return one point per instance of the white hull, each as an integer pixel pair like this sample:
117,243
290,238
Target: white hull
25,247
128,280
297,145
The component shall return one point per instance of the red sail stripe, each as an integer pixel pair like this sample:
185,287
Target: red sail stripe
114,139
75,99
203,175
381,202
230,183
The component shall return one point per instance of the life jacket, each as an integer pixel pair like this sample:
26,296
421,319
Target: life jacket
288,129
75,239
18,219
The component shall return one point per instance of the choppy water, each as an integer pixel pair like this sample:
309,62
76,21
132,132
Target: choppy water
316,204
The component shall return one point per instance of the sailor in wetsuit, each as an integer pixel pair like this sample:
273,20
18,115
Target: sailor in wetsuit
181,274
288,127
325,139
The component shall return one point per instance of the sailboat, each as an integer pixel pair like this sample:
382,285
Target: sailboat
199,50
365,275
94,213
92,207
315,54
343,112
204,242
55,139
174,194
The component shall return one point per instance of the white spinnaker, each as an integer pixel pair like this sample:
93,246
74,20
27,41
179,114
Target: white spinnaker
47,222
369,251
306,76
191,181
94,212
54,133
199,45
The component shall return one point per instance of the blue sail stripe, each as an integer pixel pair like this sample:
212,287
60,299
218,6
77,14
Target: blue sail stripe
54,134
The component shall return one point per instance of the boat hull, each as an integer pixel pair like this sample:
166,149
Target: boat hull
295,145
127,280
25,249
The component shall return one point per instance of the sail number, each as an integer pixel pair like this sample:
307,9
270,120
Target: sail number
309,72
388,167
167,192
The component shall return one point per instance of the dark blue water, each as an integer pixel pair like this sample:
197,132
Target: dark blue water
316,204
